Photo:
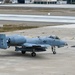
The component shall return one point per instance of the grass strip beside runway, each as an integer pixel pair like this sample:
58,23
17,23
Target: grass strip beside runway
7,28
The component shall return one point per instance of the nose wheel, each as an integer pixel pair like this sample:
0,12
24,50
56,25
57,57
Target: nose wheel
53,49
54,52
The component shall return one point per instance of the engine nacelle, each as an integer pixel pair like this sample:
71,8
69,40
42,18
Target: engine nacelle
16,39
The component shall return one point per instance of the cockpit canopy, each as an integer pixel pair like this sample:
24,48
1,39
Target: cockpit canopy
54,37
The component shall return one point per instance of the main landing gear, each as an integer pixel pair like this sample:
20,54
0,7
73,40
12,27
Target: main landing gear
33,54
53,49
23,52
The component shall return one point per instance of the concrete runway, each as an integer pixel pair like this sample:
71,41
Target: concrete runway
14,63
39,18
18,11
45,63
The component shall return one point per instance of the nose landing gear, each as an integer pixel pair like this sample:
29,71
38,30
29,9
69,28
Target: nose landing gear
53,49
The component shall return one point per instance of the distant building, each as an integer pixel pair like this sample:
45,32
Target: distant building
45,1
61,1
70,1
13,1
21,1
50,1
39,1
6,1
2,1
35,1
28,1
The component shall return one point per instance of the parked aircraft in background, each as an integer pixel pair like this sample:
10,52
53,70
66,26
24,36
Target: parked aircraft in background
25,44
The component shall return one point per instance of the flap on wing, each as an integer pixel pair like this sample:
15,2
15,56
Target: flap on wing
35,45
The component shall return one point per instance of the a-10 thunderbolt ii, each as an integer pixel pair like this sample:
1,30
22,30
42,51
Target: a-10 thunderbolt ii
25,44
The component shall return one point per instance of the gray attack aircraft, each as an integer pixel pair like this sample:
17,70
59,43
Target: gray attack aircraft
25,44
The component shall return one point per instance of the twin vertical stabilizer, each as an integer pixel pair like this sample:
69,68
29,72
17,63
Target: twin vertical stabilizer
3,41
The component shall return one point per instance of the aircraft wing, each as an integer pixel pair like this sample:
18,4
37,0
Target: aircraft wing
35,45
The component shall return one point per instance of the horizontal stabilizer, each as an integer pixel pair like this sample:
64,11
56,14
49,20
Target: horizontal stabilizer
3,41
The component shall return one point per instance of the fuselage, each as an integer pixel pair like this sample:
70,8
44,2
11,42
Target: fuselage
33,45
18,40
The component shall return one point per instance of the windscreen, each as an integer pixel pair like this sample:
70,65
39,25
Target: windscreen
54,37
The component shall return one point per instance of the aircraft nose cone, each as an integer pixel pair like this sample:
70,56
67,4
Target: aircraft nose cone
66,44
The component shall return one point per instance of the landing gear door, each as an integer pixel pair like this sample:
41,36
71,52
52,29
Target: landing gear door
3,41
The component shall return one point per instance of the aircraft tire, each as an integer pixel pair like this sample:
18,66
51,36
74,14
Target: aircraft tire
23,52
33,54
54,52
